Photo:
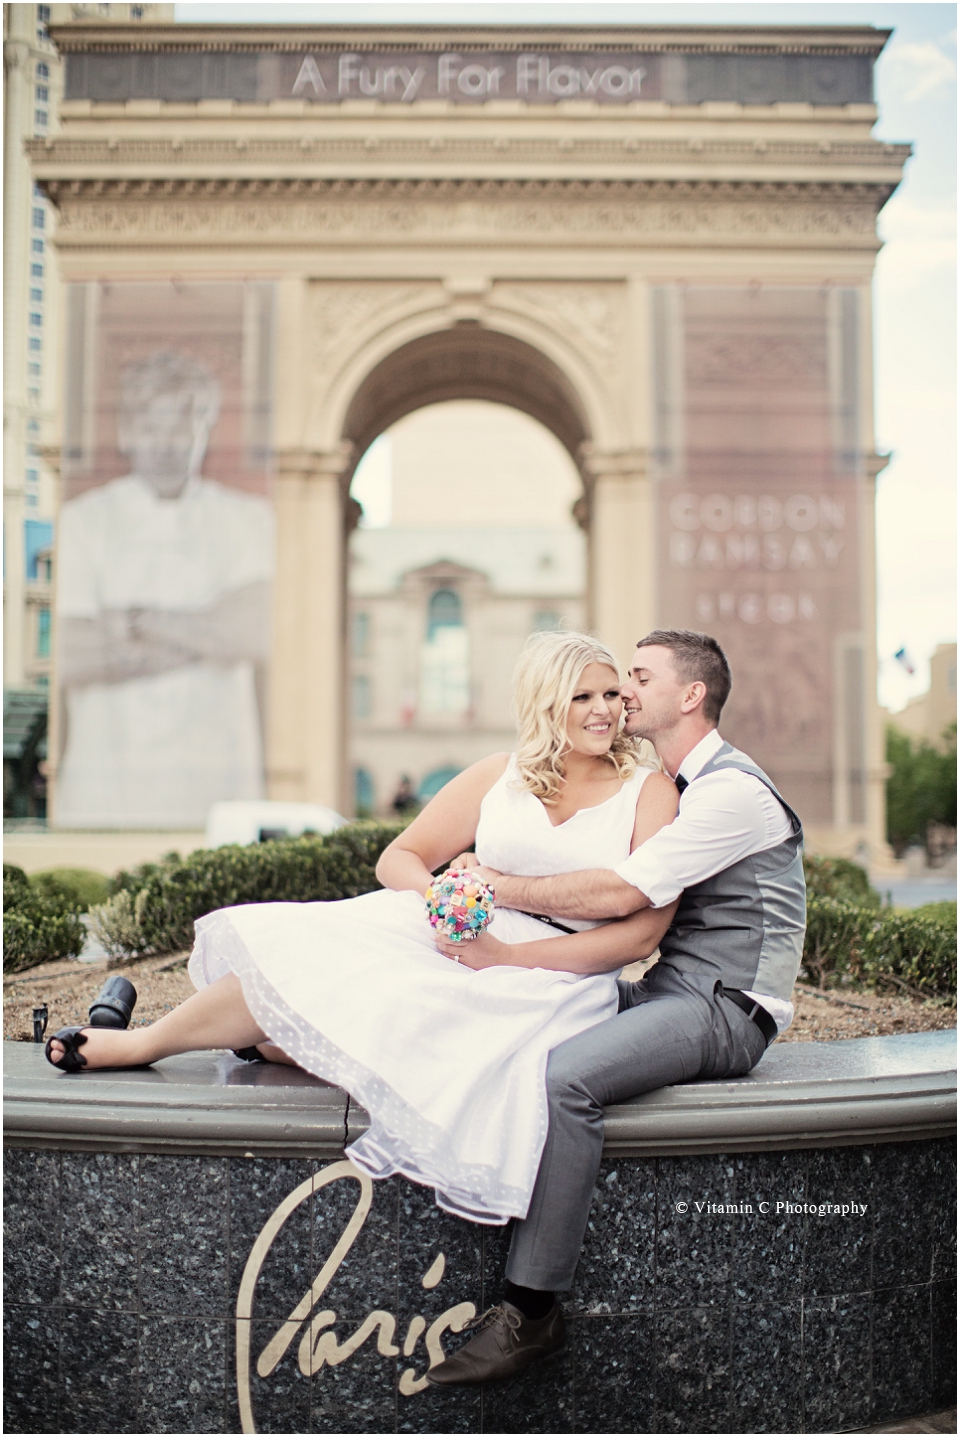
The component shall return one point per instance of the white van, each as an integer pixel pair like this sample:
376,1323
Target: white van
257,821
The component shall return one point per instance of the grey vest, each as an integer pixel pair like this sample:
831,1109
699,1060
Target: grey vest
745,925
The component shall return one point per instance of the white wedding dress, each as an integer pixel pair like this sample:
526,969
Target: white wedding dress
450,1063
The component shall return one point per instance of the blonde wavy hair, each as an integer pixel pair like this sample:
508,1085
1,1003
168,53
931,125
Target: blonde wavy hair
547,676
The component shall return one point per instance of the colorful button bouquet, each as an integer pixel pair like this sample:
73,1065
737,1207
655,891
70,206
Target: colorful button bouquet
459,905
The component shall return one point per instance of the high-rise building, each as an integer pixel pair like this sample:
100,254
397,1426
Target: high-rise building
34,84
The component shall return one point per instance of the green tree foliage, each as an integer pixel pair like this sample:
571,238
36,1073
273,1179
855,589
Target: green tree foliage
922,787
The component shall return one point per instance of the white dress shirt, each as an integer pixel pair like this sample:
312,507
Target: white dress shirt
723,818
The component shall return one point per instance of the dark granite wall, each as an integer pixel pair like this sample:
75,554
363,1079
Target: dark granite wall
122,1274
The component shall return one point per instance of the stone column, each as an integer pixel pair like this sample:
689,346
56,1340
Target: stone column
875,777
16,230
305,729
622,553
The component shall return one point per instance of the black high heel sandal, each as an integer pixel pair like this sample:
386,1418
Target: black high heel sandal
72,1039
112,1008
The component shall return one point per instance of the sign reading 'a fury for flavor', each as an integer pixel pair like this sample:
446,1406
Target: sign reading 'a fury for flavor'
463,77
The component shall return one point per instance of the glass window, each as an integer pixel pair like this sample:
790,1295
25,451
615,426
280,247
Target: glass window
43,13
33,426
34,369
33,501
445,657
37,538
37,245
43,70
37,269
36,296
446,611
545,619
41,94
36,319
39,118
35,346
363,797
434,781
33,476
39,218
361,635
361,696
43,633
136,12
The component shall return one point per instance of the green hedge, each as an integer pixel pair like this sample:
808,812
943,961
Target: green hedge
848,943
839,878
40,921
944,913
82,886
154,907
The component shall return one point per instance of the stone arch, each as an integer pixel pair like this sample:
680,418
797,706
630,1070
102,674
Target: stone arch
466,361
390,366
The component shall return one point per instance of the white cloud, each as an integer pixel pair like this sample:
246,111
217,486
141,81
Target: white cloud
919,68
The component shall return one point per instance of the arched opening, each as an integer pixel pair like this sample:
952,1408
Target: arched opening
467,544
467,445
466,362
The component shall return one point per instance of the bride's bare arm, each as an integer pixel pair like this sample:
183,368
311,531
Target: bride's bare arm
596,951
445,827
594,892
599,949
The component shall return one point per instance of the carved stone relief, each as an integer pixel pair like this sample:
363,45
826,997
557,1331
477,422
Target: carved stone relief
340,311
590,315
428,214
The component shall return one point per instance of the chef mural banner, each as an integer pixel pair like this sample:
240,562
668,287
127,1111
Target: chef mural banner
165,552
759,473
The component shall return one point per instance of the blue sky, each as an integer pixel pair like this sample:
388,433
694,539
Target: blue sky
915,286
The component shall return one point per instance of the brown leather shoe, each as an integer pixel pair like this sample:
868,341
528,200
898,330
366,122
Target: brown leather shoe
505,1344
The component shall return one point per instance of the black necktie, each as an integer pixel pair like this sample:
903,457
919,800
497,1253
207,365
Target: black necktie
681,782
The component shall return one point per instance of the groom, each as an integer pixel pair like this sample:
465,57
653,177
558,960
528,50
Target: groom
709,1008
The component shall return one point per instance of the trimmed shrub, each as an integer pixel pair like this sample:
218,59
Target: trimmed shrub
839,878
39,924
845,943
153,908
944,913
82,886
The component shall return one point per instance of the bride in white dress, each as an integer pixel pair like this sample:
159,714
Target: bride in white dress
449,1062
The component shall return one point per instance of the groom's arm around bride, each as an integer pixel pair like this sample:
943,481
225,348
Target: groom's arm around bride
709,1008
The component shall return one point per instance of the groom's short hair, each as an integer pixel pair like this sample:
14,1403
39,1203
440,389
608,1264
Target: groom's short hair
696,657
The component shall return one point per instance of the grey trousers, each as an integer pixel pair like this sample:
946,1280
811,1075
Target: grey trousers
671,1028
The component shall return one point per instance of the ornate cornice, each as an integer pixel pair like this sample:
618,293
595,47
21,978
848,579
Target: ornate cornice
552,212
247,154
705,40
447,189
